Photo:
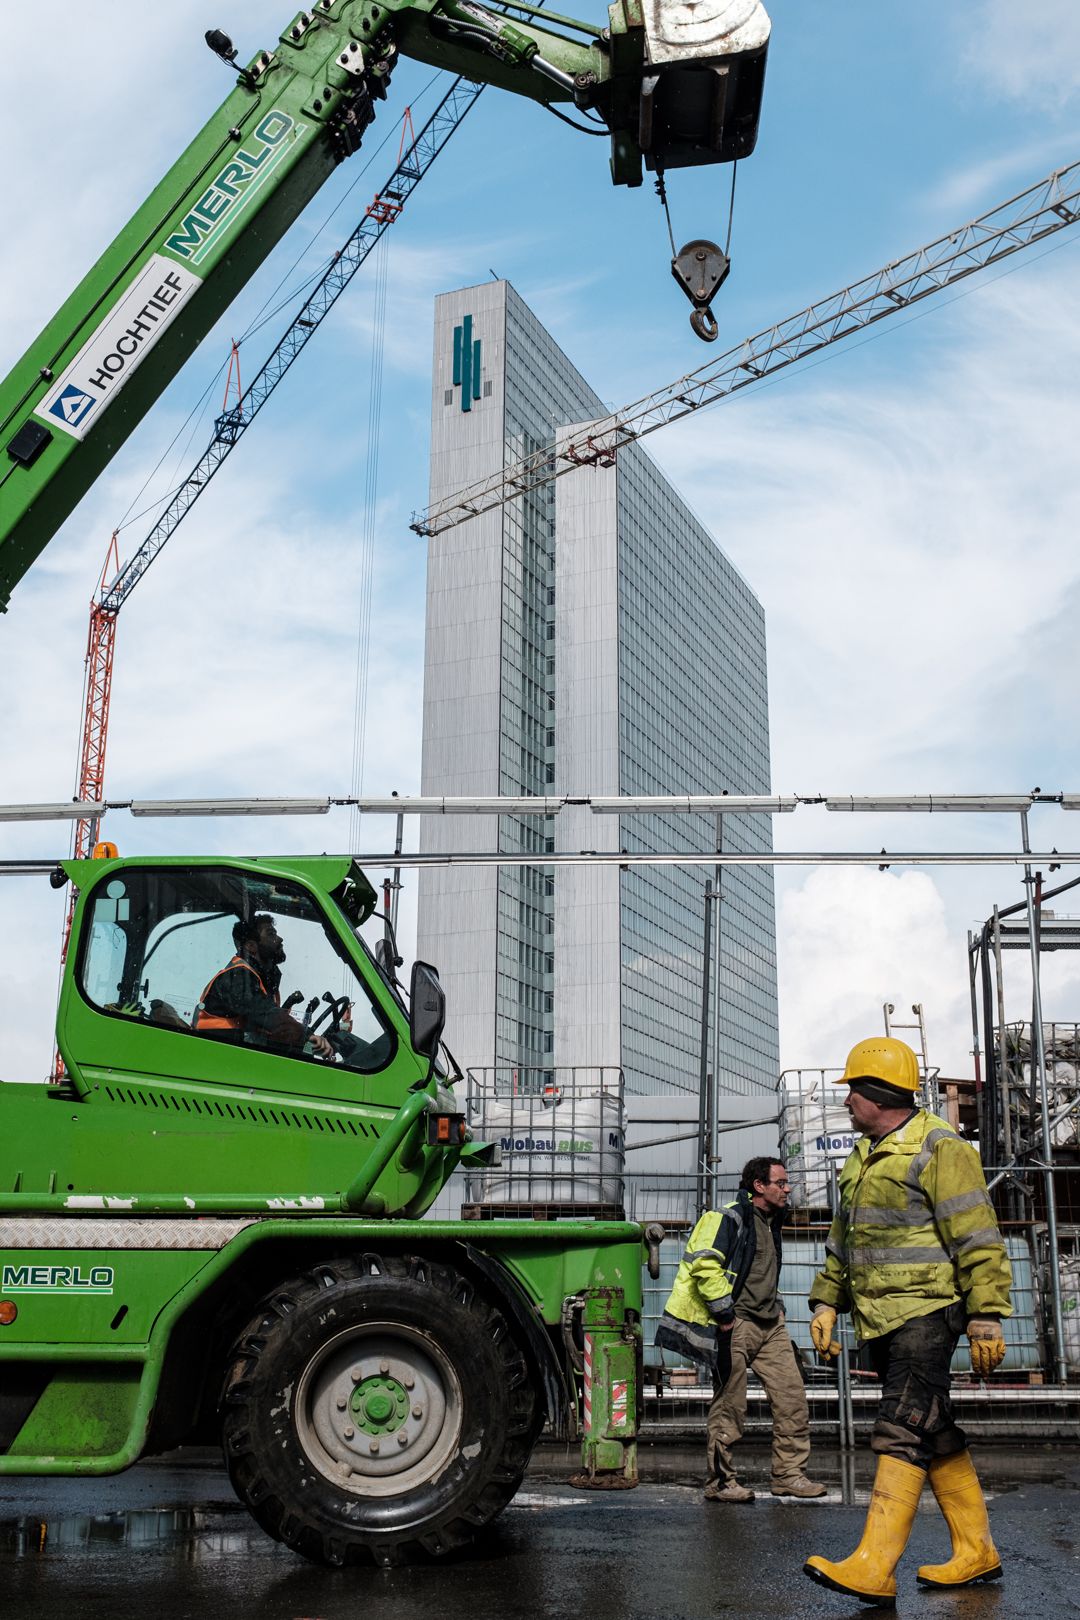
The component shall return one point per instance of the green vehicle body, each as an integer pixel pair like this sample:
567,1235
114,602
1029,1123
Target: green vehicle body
171,1184
201,1232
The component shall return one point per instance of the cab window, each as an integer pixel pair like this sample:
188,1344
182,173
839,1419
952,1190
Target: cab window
229,956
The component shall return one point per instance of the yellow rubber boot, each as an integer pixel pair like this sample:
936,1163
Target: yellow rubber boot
959,1496
868,1573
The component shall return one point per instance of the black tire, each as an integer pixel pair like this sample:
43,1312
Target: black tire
324,1370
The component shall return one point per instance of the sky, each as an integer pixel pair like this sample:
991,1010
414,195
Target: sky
905,507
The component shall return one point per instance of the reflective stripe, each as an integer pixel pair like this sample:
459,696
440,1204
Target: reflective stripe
975,1199
987,1237
925,1153
205,1020
703,1254
837,1250
883,1215
899,1257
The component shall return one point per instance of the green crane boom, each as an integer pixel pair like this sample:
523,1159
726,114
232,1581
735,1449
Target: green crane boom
294,114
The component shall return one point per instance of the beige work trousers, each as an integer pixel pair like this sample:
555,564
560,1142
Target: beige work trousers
767,1348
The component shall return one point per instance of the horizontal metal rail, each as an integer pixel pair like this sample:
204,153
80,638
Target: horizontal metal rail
881,858
710,804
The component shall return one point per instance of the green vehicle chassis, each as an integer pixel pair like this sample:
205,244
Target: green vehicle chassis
206,1238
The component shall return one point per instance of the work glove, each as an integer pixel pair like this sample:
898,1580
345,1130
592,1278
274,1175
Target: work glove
987,1343
130,1009
822,1329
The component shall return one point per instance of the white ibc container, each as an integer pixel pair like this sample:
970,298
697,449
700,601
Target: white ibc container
815,1137
567,1150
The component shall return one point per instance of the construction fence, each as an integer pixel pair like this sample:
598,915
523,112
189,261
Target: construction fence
563,1135
1024,1401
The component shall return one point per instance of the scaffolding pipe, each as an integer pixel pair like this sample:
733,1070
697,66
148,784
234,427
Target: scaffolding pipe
1039,1055
1003,1045
703,1086
718,1004
975,1050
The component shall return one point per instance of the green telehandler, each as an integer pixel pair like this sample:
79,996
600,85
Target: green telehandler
212,1229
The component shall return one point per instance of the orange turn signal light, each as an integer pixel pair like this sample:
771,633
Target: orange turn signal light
8,1312
446,1130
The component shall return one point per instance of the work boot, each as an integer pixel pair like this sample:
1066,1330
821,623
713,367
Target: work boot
718,1490
959,1496
868,1573
798,1485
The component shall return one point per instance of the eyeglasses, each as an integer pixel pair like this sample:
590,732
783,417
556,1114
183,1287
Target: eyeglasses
784,1183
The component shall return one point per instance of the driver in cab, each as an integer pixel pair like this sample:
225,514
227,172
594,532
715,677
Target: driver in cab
245,995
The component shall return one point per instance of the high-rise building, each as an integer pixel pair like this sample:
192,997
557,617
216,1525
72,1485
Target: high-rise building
589,637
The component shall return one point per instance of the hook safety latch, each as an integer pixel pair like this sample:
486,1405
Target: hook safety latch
701,268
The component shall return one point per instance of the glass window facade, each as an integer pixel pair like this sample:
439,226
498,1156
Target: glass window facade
687,662
693,718
541,390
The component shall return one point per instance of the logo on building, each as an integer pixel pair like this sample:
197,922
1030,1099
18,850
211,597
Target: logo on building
466,363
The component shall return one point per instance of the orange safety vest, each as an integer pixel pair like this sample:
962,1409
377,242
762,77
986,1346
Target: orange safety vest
205,1020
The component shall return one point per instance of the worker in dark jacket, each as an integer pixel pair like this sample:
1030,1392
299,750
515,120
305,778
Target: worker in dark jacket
725,1310
244,995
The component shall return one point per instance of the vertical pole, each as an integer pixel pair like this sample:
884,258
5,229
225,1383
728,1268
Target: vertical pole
1039,1055
845,1412
399,837
703,1077
1003,1063
986,1079
975,1052
718,1009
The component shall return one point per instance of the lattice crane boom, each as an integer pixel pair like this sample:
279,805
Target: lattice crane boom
1024,220
229,428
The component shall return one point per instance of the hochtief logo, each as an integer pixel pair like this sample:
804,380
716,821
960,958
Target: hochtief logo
466,363
72,405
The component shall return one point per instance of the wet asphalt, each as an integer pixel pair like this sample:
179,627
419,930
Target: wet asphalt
168,1541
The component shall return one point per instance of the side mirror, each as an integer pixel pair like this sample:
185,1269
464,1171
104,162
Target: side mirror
427,1009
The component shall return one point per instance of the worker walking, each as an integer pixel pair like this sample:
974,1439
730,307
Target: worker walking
725,1310
914,1253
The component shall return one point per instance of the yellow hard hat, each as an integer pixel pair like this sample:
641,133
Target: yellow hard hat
883,1058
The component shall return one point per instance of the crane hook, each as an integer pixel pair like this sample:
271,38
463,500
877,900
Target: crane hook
701,268
704,323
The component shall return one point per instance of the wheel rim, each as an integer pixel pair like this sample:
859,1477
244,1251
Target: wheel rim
378,1409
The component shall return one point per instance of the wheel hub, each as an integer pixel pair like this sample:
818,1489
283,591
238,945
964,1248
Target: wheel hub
380,1405
378,1409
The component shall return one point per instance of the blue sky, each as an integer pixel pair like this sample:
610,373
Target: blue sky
906,510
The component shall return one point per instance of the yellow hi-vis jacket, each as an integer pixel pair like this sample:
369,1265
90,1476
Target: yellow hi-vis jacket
915,1232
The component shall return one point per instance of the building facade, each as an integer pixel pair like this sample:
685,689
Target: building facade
587,638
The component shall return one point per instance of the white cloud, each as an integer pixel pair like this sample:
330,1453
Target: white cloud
969,190
1027,52
907,518
912,538
851,940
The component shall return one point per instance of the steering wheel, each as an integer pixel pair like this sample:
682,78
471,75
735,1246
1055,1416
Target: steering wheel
335,1012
